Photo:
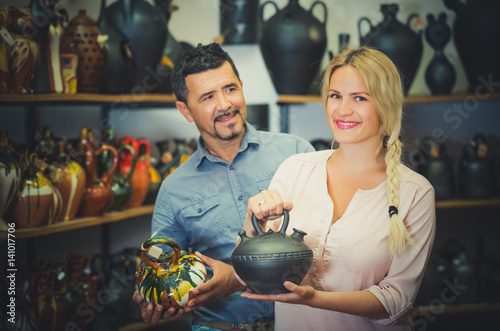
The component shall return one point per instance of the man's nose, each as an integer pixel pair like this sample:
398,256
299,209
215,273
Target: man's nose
223,103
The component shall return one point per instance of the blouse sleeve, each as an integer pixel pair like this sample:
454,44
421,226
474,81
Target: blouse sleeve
398,290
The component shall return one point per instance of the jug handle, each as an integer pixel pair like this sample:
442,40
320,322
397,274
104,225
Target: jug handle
134,160
132,142
284,226
107,177
144,141
324,8
173,257
262,9
359,26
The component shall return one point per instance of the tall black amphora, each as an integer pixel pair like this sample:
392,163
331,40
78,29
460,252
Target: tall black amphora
293,43
476,31
398,41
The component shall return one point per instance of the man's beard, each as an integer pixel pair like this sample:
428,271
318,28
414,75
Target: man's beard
233,134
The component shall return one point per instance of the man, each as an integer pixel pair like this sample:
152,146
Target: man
203,203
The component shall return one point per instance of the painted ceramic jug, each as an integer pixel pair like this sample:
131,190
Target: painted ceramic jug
70,178
141,178
266,261
168,278
10,178
34,200
122,187
97,196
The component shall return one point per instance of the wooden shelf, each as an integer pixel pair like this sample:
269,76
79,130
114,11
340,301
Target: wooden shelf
89,98
79,223
467,203
297,99
459,309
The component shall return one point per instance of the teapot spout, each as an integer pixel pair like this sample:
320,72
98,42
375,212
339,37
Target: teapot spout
299,235
243,235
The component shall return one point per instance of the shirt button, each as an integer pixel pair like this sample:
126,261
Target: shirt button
199,210
231,167
240,197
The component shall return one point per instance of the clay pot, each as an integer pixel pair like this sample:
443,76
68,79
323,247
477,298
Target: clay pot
91,57
398,41
141,178
97,195
168,278
122,188
266,261
10,179
33,202
293,43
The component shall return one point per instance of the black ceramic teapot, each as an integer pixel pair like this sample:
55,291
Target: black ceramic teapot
266,261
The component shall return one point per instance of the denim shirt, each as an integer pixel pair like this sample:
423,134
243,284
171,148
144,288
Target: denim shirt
203,203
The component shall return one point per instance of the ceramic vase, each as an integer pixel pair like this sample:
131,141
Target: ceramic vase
122,187
97,195
91,57
398,41
141,178
32,204
293,43
477,41
239,21
440,73
10,179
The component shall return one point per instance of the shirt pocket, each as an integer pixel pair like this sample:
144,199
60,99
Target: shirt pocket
204,221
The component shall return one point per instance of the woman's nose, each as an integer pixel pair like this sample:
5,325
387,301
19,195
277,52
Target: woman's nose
344,108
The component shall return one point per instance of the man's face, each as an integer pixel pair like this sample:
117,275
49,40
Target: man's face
216,103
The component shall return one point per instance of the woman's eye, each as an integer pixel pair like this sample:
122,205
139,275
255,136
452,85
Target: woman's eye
358,98
334,96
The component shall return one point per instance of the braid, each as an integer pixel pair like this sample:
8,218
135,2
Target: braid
398,235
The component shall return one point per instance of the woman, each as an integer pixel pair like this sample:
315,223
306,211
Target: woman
370,220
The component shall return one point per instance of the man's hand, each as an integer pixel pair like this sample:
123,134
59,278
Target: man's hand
152,314
222,284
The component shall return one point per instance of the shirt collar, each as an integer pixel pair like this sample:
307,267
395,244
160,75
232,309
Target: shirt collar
251,137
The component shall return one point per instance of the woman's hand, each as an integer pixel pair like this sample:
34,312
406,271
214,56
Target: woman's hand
266,206
299,294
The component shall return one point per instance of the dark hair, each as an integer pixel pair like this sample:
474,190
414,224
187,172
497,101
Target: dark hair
202,58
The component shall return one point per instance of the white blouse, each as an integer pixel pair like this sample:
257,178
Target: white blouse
353,253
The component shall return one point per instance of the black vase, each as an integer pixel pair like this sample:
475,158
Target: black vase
239,21
137,34
293,43
440,74
398,41
476,32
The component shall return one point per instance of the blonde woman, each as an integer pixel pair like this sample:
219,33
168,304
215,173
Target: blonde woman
370,220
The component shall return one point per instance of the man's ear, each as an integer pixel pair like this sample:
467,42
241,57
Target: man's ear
183,108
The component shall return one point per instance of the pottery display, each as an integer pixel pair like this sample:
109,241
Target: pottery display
266,261
476,173
19,53
436,165
478,51
137,33
239,21
10,178
293,43
440,74
167,278
398,41
97,195
122,187
83,29
33,201
141,178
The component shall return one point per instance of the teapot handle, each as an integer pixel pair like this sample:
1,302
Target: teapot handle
284,226
171,257
134,160
325,10
262,9
359,26
410,18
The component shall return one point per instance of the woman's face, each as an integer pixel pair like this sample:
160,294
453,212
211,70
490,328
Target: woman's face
350,111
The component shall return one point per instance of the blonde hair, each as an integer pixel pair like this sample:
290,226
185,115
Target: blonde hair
384,85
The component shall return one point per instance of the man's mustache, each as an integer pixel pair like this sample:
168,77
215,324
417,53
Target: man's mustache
229,112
